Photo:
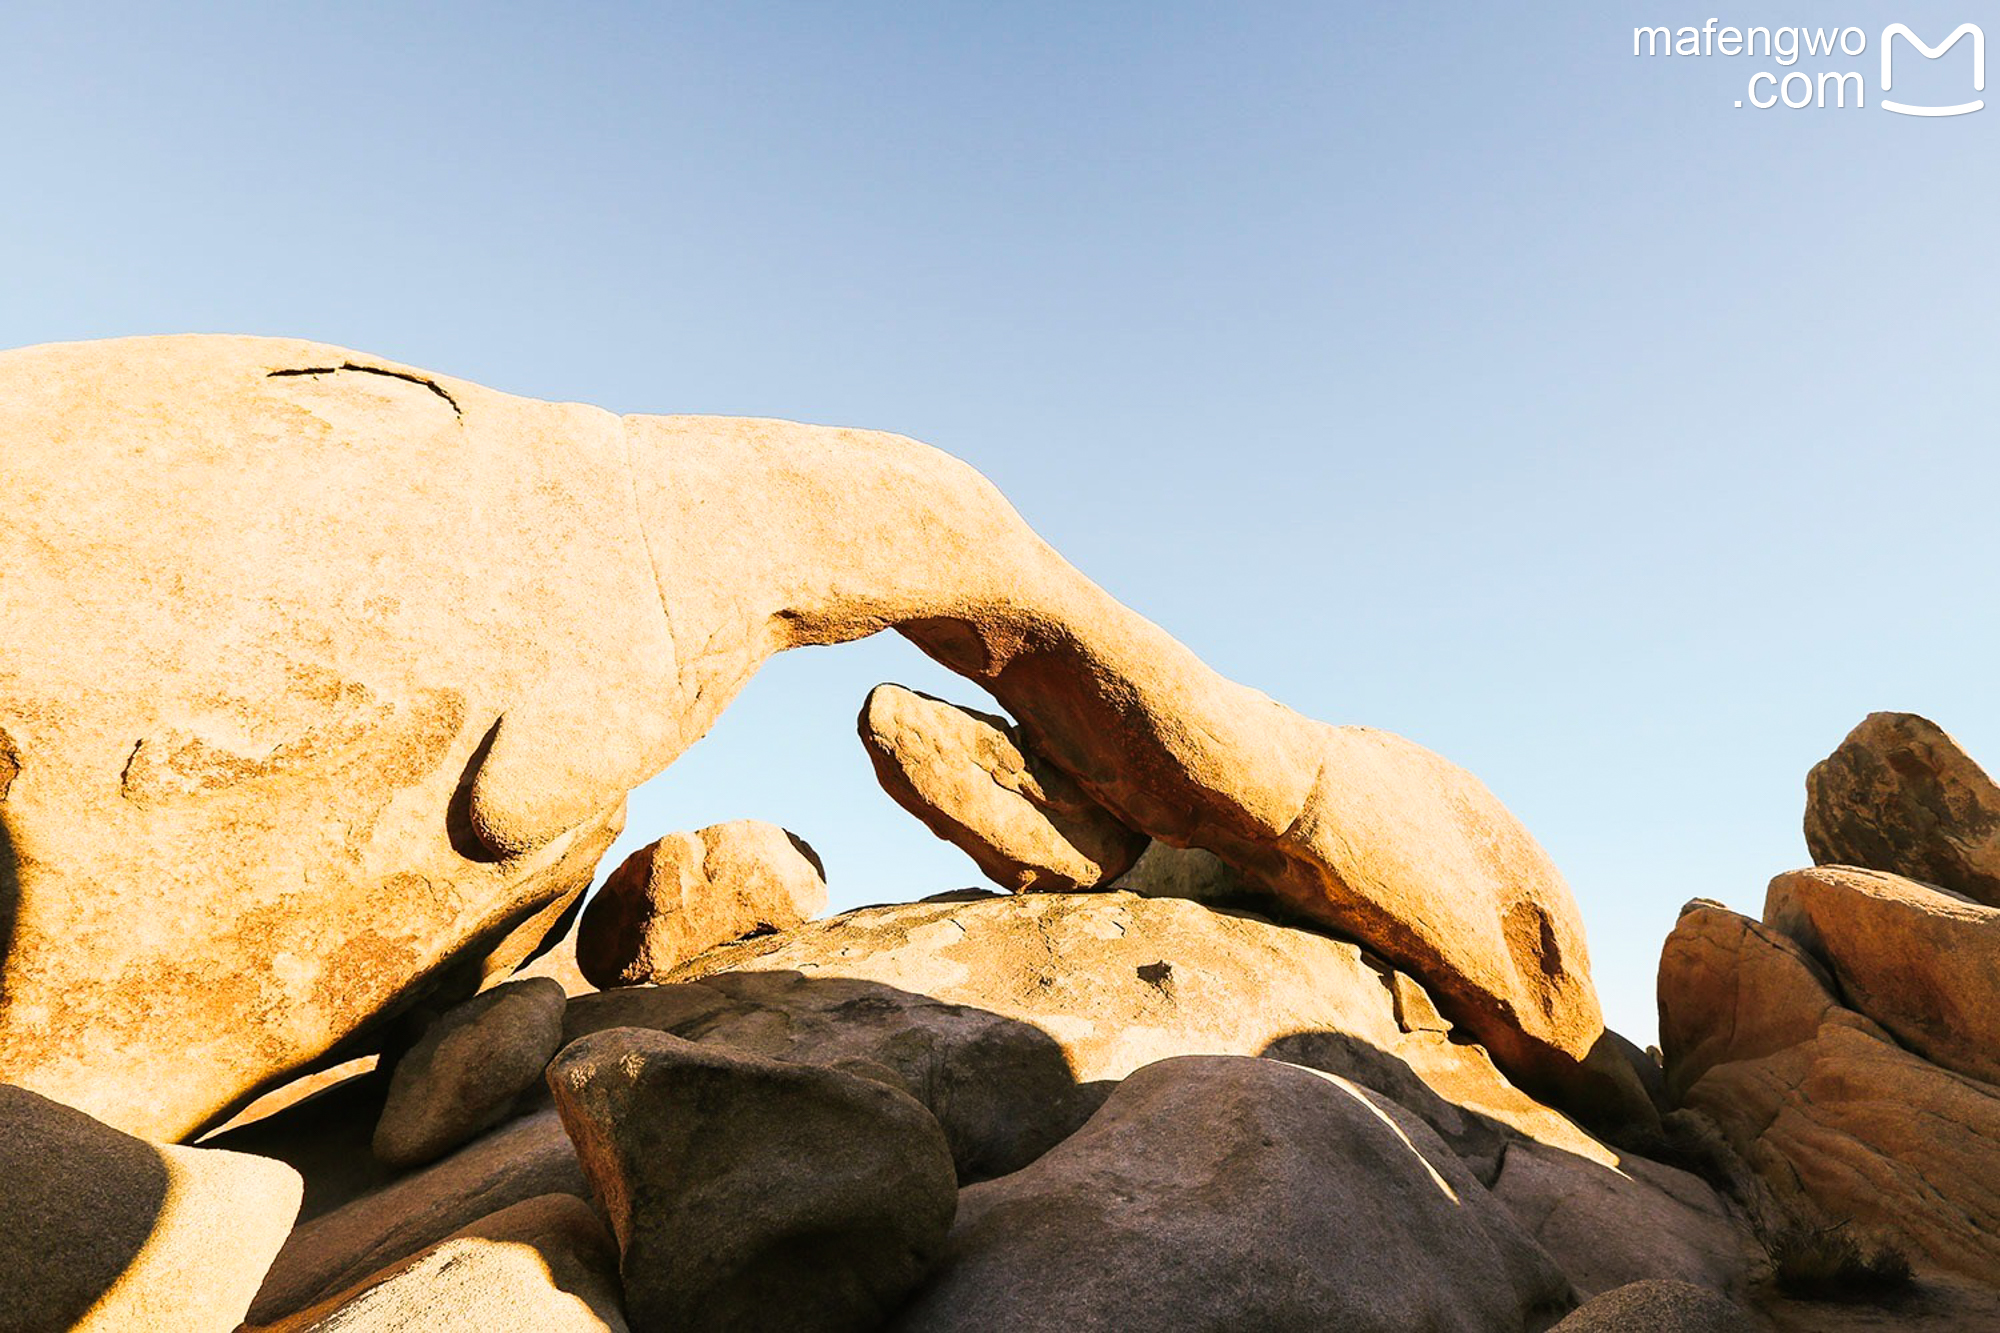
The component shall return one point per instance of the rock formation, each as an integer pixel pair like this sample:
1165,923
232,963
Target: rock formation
673,898
1900,795
102,1232
751,1194
319,709
1843,1125
464,1074
544,1264
1842,1045
968,777
1144,1218
330,694
1012,1017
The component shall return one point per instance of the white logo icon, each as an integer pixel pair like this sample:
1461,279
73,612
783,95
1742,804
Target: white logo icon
1895,30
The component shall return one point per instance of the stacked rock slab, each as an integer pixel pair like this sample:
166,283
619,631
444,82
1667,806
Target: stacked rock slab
330,692
1843,1124
543,1264
687,892
1922,962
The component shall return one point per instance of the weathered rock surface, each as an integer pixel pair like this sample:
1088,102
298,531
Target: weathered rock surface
1730,989
1900,795
749,1193
1222,1192
103,1232
1189,872
1840,1122
466,1072
523,1160
544,1264
1608,1226
1657,1305
1011,1016
1922,962
970,779
690,891
339,680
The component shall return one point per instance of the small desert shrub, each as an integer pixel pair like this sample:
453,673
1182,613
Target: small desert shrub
1828,1264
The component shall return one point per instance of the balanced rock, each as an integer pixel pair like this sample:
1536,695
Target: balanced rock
1922,962
970,779
1657,1305
1223,1192
1842,1124
1011,1017
544,1264
754,1194
326,700
103,1232
335,1251
464,1074
1900,795
673,898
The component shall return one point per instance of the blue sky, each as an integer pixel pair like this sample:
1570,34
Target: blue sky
1442,368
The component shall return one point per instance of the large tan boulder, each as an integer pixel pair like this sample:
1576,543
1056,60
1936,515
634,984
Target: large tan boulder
968,777
1922,962
1843,1125
104,1233
687,892
1731,988
326,679
1229,1193
751,1194
1900,795
544,1264
1010,1017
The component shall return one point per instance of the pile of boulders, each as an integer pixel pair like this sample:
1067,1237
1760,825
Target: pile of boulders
306,1024
1846,1044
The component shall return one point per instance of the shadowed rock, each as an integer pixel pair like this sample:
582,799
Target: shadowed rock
544,1264
103,1233
466,1072
522,1160
751,1194
1216,1192
1657,1305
